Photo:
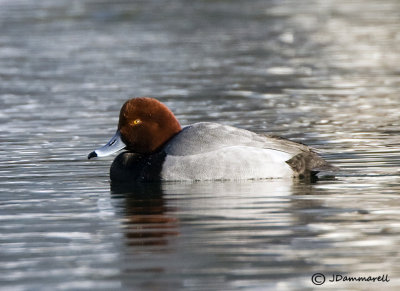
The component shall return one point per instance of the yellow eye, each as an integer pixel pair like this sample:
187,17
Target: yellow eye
137,121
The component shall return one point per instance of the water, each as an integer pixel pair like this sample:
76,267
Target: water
325,73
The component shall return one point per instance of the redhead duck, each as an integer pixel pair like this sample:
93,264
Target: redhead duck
158,148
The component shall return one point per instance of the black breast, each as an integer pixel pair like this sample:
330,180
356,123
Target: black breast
131,167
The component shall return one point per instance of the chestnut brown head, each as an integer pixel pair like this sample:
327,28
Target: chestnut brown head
145,124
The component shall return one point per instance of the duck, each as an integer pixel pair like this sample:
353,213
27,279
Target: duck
157,148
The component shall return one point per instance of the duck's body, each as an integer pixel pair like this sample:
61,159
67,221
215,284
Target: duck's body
211,151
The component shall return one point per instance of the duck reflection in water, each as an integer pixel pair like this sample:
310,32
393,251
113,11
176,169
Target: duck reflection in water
146,215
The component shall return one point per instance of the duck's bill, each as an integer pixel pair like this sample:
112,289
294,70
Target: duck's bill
114,145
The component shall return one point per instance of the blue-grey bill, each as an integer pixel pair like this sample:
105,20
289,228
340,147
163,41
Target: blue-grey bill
114,145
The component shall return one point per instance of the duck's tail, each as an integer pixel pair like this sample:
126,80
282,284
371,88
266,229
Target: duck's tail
308,164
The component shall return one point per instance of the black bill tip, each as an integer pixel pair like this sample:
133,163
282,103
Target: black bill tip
92,155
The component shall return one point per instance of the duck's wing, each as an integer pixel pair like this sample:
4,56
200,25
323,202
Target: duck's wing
206,137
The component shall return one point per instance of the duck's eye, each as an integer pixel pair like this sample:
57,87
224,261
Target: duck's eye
136,121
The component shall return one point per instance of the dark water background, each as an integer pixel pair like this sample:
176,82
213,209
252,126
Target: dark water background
326,73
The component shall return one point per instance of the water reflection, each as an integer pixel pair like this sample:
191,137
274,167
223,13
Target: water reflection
253,231
143,207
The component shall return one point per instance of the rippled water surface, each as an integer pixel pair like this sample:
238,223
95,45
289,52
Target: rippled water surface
325,73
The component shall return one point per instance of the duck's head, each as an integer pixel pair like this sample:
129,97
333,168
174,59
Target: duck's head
145,124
